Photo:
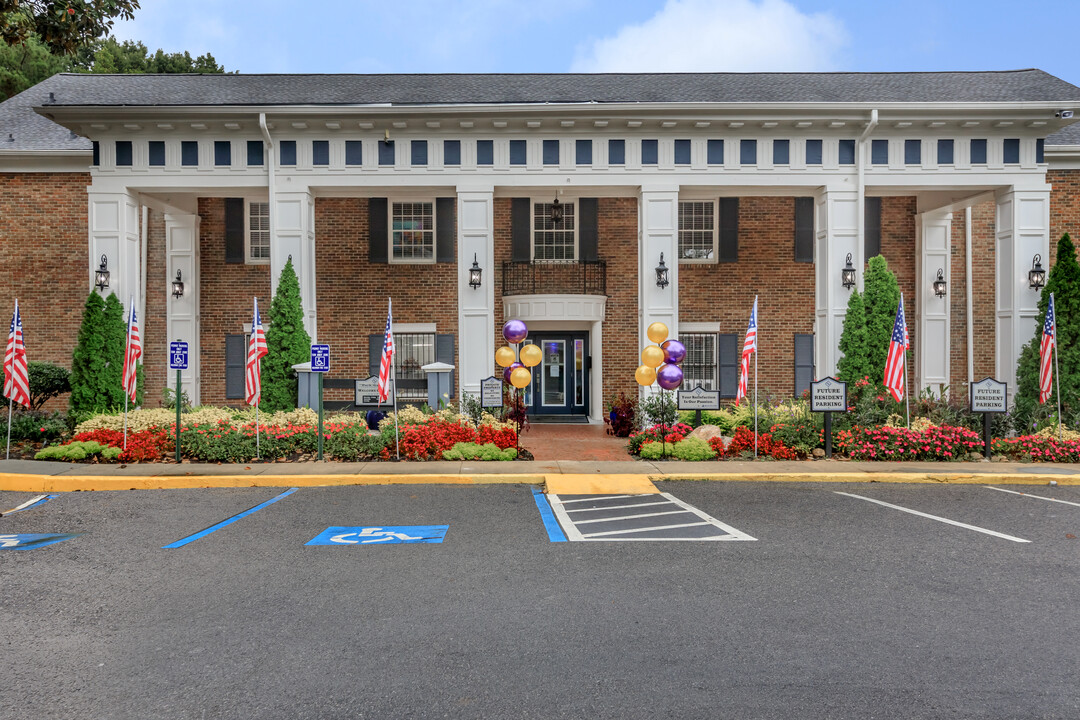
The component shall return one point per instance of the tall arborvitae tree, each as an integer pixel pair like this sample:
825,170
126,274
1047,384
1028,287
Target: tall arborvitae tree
855,364
88,361
114,327
287,343
881,297
1064,282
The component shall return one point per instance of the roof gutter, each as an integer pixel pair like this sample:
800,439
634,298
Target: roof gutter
860,154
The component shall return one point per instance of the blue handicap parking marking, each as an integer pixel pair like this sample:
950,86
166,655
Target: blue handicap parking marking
29,541
382,535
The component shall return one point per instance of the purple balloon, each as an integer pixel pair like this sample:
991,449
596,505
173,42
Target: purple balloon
510,369
674,351
669,376
515,331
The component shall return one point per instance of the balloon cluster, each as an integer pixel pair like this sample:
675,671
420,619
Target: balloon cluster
517,373
660,362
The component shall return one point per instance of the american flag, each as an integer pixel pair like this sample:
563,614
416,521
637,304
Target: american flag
387,356
256,350
894,362
132,353
1046,352
749,347
16,375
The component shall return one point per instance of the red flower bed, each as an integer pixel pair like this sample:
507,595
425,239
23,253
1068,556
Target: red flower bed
891,443
743,441
142,446
1037,448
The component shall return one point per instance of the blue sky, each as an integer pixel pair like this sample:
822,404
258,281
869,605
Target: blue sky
274,36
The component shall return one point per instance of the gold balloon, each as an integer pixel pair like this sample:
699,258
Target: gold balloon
645,375
531,355
652,355
520,377
505,356
657,332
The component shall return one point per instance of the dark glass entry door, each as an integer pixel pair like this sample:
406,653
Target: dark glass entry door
560,384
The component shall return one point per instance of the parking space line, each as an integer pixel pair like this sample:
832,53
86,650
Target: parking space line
593,498
617,507
1037,497
641,530
32,502
230,521
935,517
555,533
631,517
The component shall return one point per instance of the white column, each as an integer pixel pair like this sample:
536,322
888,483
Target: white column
1023,230
932,341
182,320
658,233
293,234
476,306
836,233
114,233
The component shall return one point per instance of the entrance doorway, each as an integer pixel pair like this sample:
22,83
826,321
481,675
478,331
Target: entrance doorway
560,385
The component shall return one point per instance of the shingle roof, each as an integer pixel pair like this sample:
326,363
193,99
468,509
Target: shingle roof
23,129
1065,136
204,90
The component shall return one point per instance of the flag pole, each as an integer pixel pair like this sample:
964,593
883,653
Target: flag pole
393,389
257,428
755,400
11,404
907,395
1057,376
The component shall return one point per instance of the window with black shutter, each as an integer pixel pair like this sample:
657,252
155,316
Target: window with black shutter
871,227
729,230
804,229
804,363
235,359
727,347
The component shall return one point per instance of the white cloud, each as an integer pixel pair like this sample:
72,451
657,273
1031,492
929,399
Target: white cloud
719,36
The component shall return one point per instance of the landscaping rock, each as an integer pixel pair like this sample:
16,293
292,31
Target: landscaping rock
976,456
707,432
819,452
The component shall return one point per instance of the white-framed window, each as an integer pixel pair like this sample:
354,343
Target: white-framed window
412,231
412,351
554,241
257,232
697,231
700,366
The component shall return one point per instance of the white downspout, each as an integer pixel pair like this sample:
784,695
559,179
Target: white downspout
860,154
144,242
269,159
969,293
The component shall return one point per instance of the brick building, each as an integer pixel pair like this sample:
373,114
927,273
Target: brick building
566,191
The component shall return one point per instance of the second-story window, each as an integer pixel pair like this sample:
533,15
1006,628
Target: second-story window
412,236
697,230
554,241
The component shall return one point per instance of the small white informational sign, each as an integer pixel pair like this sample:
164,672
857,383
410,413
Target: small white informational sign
491,392
699,399
367,391
828,395
989,396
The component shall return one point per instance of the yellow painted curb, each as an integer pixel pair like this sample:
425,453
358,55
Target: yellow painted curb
868,477
599,484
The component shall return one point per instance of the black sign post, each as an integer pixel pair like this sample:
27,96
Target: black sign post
988,396
697,400
320,363
828,396
178,359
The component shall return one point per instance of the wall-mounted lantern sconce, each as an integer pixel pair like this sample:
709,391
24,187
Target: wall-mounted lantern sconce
178,286
847,275
101,276
1036,275
662,280
939,284
474,273
556,211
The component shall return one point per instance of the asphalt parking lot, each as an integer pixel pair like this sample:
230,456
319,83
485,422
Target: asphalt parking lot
839,602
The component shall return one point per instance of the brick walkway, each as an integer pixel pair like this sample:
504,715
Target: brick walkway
550,441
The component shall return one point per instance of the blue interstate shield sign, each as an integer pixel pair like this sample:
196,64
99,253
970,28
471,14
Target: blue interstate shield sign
396,535
29,541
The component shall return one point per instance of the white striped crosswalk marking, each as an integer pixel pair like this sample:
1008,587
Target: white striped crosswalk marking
573,519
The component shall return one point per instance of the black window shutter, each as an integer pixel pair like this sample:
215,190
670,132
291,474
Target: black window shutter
378,238
445,229
521,230
729,230
234,230
804,363
871,227
444,353
804,229
234,366
727,353
588,233
375,343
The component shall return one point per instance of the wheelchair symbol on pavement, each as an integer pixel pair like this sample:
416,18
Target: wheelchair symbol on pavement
380,535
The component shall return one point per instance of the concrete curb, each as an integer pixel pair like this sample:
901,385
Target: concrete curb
30,482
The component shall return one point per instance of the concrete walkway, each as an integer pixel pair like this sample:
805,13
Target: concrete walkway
34,476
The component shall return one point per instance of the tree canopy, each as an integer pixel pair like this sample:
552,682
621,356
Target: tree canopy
62,26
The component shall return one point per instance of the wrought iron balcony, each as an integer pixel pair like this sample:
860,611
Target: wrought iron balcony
555,278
